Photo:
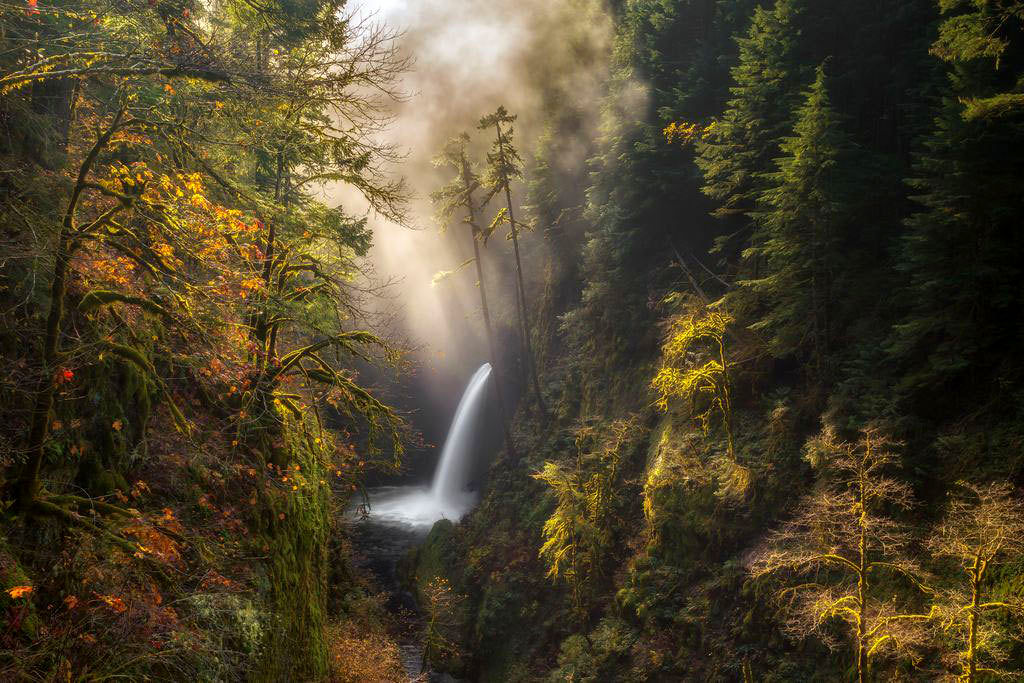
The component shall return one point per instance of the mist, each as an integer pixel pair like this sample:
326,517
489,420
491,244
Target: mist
535,57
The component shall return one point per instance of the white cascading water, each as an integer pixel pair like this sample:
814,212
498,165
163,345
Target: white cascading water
453,469
447,497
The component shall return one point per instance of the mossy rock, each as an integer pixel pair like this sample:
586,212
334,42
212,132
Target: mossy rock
436,557
105,482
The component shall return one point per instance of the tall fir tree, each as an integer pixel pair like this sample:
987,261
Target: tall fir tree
458,196
984,31
739,146
960,255
504,166
799,227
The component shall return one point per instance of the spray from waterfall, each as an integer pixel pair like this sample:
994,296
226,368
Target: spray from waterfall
448,496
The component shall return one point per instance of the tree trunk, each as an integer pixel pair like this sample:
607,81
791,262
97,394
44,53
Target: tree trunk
862,575
28,484
524,317
499,393
27,487
726,399
972,620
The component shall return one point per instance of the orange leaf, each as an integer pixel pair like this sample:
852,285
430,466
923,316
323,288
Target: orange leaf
19,591
113,602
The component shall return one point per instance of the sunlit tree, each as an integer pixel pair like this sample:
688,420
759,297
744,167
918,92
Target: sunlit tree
982,31
186,237
844,557
694,368
504,166
982,531
459,196
442,604
581,531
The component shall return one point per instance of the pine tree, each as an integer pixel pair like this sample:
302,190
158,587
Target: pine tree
504,165
961,252
742,143
459,195
799,228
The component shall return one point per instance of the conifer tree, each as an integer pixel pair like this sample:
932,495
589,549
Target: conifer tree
459,195
800,222
984,31
740,146
503,167
960,255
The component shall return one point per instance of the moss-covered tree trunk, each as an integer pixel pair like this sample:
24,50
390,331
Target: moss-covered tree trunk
294,523
27,486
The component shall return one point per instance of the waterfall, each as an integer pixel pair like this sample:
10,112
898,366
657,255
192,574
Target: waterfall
447,497
455,464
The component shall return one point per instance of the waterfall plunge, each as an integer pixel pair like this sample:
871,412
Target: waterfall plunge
453,469
447,496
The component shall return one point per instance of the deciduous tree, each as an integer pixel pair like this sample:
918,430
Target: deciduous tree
844,556
581,531
983,529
